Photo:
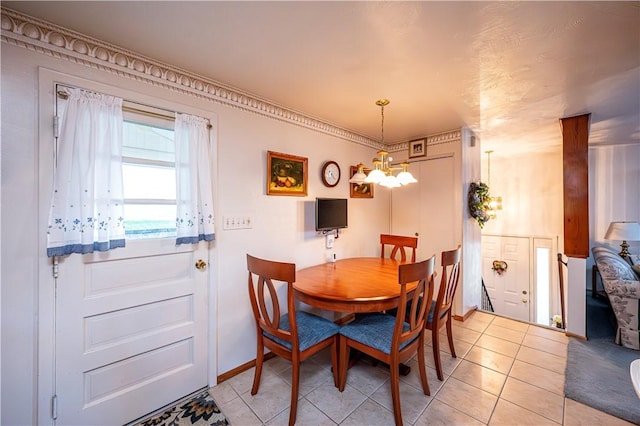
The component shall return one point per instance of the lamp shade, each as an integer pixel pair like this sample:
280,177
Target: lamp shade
623,231
359,176
375,176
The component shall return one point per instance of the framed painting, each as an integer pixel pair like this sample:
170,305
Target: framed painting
418,148
360,190
286,174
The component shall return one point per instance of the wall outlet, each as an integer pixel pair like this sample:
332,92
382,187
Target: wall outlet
330,240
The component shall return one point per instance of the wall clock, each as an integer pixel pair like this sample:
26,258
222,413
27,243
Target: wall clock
330,174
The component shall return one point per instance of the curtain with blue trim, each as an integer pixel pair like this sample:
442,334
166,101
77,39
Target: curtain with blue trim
194,195
87,204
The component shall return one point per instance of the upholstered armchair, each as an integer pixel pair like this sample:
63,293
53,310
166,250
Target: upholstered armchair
623,289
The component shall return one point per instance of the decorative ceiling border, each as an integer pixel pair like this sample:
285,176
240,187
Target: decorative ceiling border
43,37
452,136
40,36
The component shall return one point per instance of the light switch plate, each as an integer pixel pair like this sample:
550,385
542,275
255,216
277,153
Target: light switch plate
237,222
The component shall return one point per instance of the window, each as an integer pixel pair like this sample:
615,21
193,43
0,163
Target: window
149,178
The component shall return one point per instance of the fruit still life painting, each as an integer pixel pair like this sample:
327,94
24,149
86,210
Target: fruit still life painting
287,174
360,190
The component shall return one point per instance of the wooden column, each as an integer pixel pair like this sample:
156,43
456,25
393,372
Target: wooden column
575,162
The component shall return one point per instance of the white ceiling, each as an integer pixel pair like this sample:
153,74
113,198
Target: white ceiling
507,70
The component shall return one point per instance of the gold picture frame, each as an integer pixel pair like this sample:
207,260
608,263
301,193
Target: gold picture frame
286,174
418,148
360,190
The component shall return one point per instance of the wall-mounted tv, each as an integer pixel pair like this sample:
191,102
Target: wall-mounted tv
331,213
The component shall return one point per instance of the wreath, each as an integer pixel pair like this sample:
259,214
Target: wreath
499,266
479,200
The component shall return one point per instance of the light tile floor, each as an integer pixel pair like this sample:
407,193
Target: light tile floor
506,373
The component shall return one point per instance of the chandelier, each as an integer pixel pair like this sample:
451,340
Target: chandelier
383,171
495,203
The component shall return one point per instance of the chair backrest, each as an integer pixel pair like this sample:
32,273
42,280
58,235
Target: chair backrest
399,243
450,263
422,272
265,304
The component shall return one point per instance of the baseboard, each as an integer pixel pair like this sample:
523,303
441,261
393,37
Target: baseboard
577,336
466,316
242,368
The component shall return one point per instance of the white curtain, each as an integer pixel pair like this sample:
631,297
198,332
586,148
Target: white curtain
87,203
194,196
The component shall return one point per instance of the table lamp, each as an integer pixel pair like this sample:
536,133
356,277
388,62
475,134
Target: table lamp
623,231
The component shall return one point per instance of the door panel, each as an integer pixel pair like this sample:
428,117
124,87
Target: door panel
509,292
131,327
427,208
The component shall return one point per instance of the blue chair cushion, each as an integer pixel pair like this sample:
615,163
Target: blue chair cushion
311,330
375,330
432,310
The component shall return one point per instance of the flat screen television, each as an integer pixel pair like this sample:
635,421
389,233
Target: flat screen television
331,213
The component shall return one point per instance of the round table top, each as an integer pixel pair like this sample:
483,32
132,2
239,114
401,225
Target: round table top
365,284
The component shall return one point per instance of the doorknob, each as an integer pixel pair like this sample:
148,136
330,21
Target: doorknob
524,291
524,300
417,234
201,264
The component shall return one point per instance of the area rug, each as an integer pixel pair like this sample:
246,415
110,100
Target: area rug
597,372
200,410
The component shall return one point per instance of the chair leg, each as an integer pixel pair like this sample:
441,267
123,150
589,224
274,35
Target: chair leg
295,382
435,342
343,361
334,361
423,369
395,393
258,372
450,335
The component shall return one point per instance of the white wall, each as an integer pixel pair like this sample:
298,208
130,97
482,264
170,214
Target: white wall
531,190
282,229
614,192
471,274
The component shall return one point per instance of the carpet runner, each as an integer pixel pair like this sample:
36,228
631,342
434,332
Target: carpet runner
200,410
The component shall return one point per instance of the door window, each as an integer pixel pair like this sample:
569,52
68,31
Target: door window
149,178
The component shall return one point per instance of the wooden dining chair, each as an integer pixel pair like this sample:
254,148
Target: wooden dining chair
295,335
399,244
390,339
440,311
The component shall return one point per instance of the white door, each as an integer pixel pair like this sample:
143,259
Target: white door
510,290
426,209
131,333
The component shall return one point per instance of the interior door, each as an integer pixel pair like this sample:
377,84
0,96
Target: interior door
426,208
131,331
510,290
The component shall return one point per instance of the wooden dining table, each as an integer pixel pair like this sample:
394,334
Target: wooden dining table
354,285
361,284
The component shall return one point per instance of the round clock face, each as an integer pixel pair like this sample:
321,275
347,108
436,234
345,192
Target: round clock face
330,173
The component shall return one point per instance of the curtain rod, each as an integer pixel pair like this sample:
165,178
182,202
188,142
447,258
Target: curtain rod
127,108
